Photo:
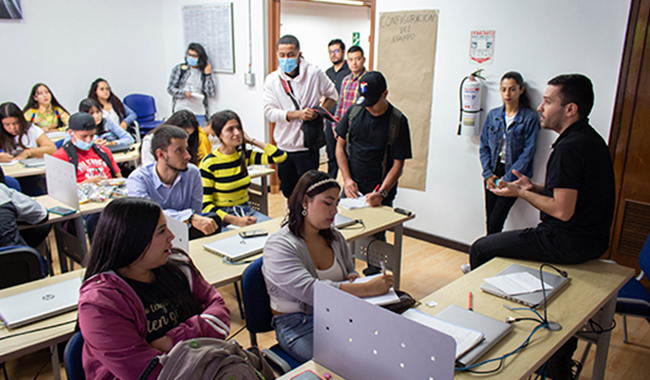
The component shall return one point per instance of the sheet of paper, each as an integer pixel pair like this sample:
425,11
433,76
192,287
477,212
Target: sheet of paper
465,338
10,163
352,203
388,298
517,283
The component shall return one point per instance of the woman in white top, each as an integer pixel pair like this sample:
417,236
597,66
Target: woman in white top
305,250
112,107
18,138
191,83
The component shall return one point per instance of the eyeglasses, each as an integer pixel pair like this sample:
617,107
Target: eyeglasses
335,51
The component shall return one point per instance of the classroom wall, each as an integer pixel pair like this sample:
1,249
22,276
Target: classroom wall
315,25
69,43
538,38
232,93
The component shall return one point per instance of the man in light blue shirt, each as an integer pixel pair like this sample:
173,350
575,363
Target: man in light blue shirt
173,182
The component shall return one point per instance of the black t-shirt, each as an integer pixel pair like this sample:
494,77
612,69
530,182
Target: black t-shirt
368,138
337,78
162,313
581,161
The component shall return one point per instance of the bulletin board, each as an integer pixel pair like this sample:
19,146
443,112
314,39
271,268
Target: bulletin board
212,26
406,53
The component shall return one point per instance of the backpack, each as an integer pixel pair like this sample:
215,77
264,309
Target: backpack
71,151
393,131
209,358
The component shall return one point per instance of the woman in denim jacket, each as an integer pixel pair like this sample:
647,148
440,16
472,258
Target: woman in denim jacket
508,143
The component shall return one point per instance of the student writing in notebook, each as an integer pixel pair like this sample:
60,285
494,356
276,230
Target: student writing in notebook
139,297
306,250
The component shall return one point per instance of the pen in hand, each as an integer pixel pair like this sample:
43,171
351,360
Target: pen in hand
383,267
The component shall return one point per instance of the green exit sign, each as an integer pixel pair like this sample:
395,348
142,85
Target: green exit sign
355,38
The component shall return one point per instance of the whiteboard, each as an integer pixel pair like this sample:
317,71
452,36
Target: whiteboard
211,25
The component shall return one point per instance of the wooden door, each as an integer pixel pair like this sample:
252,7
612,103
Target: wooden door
630,141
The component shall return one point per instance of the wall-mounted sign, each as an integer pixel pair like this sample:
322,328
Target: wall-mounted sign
481,47
356,36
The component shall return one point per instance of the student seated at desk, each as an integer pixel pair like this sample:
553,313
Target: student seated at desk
173,182
197,143
107,131
225,174
139,297
17,209
42,109
20,139
111,107
305,250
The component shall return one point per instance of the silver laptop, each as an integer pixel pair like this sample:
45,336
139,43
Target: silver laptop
237,248
342,221
534,299
493,329
35,305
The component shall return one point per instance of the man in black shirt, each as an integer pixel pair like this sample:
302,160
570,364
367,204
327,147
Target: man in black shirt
576,202
336,73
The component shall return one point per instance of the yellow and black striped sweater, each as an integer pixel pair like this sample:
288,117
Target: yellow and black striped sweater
224,184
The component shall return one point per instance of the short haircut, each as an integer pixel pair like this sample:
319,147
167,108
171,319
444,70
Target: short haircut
337,41
355,48
288,39
575,88
163,136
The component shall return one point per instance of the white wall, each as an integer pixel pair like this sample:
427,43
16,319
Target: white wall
316,24
232,93
538,38
69,43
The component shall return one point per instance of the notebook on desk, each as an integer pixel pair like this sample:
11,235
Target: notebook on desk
534,299
35,305
237,248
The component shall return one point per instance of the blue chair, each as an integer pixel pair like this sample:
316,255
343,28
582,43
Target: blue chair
258,316
72,357
634,299
12,183
58,143
19,264
145,107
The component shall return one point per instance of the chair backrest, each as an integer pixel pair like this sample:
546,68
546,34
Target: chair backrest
257,304
644,257
143,105
12,183
18,265
59,143
72,357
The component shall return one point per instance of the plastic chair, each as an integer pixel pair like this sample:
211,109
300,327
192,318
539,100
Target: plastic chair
12,183
145,107
58,143
72,357
258,316
634,299
18,265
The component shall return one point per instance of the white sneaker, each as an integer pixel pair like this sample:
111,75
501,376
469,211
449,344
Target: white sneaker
465,268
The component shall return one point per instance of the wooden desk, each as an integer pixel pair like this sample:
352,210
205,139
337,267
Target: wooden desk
594,285
14,346
19,170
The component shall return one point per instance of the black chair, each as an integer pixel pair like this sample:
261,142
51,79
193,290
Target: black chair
258,316
18,265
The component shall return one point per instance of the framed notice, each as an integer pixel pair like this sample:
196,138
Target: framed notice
481,46
212,26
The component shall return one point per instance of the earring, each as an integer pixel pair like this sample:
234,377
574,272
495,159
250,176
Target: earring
304,211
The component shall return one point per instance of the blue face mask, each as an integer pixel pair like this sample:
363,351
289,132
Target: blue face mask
84,145
288,64
192,61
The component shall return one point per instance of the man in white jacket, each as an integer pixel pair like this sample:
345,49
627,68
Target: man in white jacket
309,86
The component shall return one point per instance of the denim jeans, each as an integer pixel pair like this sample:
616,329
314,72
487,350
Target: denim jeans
243,210
295,334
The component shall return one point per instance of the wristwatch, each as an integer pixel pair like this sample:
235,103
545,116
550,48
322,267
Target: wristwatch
189,221
383,193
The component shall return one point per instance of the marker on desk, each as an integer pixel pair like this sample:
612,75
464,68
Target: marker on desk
471,301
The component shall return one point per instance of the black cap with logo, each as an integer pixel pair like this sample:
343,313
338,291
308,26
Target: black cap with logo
81,121
371,87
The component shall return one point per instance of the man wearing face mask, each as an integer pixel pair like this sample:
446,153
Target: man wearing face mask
308,85
93,163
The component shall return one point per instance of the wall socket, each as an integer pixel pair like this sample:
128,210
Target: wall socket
249,79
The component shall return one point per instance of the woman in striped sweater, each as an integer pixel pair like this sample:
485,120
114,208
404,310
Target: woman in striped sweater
224,171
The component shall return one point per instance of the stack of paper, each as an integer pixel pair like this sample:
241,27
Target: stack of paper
352,203
390,297
517,283
465,338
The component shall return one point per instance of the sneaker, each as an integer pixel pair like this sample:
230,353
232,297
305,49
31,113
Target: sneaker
465,268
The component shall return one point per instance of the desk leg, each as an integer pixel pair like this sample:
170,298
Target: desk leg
56,367
604,319
397,246
264,202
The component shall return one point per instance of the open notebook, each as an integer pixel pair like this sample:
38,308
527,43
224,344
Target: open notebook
390,297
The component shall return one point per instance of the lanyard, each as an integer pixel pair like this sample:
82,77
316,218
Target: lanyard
287,88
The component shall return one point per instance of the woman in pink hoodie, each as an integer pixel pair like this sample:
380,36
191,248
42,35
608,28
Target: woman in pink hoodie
139,298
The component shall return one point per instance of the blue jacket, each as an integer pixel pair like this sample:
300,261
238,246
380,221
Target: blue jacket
521,142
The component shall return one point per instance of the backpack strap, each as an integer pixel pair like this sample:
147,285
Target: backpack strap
393,131
73,158
105,158
353,112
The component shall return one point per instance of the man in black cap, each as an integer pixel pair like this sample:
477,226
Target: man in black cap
93,163
377,138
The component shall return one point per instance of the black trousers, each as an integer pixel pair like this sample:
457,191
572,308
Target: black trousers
536,244
296,164
496,211
330,147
